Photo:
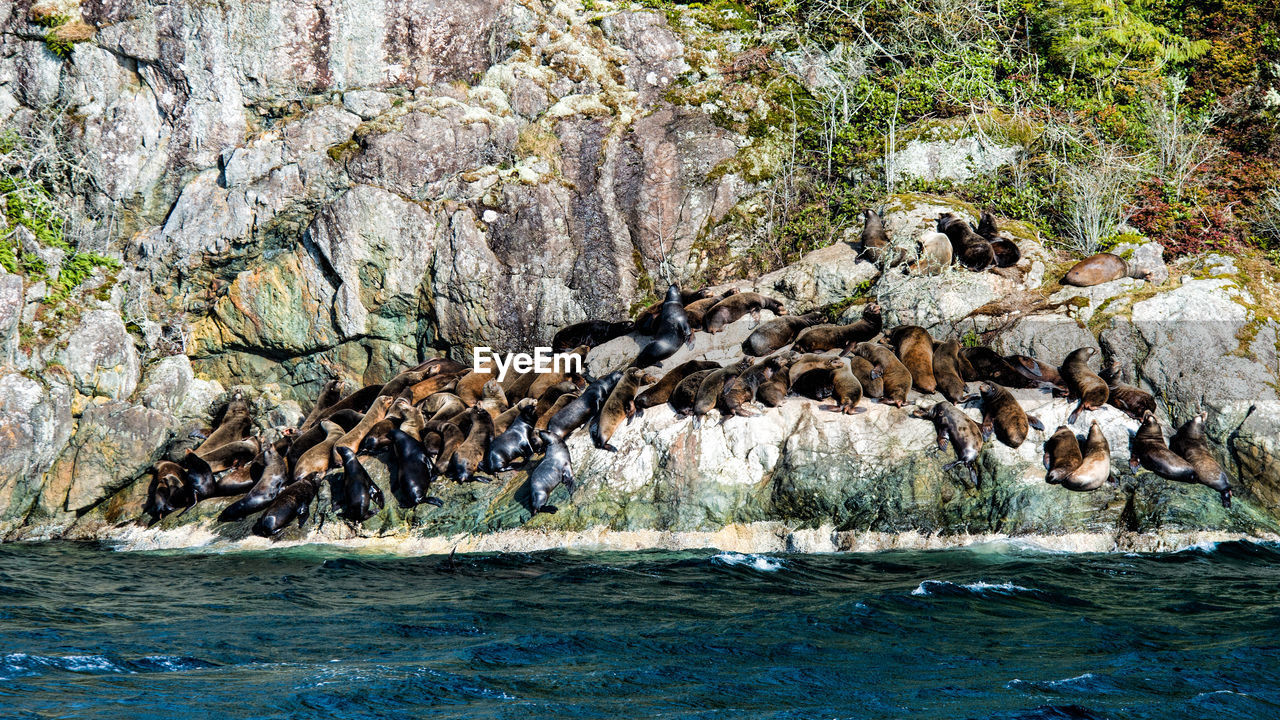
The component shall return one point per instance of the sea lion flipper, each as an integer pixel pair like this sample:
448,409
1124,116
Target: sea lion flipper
434,501
1035,422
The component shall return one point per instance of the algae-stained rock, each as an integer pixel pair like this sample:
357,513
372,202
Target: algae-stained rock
35,423
101,357
1256,448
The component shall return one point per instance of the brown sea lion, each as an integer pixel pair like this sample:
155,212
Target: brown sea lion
168,491
470,388
775,334
1061,455
1149,450
967,247
590,333
549,396
411,424
741,393
503,421
1132,401
914,347
440,365
235,425
315,461
351,439
823,337
812,375
440,382
846,390
492,399
441,438
1190,442
403,381
359,401
946,371
1002,414
711,390
345,419
686,391
660,392
952,424
773,391
548,379
697,309
466,460
874,239
1100,268
1082,382
871,382
983,363
1095,465
237,452
732,308
619,406
895,376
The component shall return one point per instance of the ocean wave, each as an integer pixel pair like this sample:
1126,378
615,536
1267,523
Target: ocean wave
1088,682
763,563
945,587
14,665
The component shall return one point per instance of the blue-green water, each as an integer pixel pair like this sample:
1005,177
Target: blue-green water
991,632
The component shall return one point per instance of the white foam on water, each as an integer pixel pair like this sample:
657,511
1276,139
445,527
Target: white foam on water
763,563
928,587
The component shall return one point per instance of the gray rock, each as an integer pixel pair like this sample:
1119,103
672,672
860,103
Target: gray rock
35,424
958,159
368,104
10,317
1048,338
101,357
1145,258
113,444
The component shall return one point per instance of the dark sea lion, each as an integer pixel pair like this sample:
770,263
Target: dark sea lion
846,390
777,333
1100,268
1038,374
1190,442
699,308
330,393
555,469
199,476
467,459
711,389
359,401
660,392
1006,251
413,472
553,393
686,391
346,419
739,395
871,382
895,376
732,308
583,408
239,480
1149,450
672,332
235,425
168,491
315,461
544,417
1132,401
1082,382
874,239
823,337
983,363
1002,414
292,502
518,442
440,365
590,333
649,318
353,437
914,347
1061,455
360,499
967,247
813,375
274,476
773,391
946,371
378,439
618,406
965,435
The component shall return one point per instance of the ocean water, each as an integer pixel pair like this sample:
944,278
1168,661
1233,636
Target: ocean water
987,632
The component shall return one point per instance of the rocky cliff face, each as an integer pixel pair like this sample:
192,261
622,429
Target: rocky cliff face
296,190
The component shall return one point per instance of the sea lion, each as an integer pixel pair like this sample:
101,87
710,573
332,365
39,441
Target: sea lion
1007,253
1082,382
697,309
239,480
1132,401
820,338
873,240
315,461
168,491
235,425
967,247
982,363
544,417
742,391
620,404
952,424
442,406
199,476
946,371
292,502
467,459
732,308
649,318
713,386
330,393
935,253
553,393
895,376
1100,268
556,468
546,380
440,366
1002,414
846,389
1038,374
493,400
1094,467
353,437
1149,450
660,392
412,423
346,419
274,476
359,401
1190,442
519,441
686,391
914,347
413,472
811,374
871,382
470,387
1061,455
590,333
236,452
443,437
378,439
673,330
773,391
403,381
581,409
360,499
777,333
440,382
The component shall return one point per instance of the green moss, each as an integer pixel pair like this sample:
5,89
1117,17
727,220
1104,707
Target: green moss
342,151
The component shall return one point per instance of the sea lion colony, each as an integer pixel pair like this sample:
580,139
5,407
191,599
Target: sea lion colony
440,421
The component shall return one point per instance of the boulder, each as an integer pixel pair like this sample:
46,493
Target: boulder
101,357
35,424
